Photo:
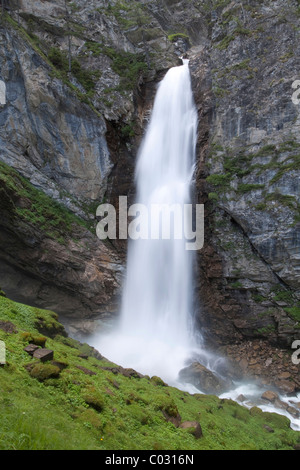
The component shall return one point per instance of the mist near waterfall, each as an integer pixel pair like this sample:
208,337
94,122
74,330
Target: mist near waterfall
155,333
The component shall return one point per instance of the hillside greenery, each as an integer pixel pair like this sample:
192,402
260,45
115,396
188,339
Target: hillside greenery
80,400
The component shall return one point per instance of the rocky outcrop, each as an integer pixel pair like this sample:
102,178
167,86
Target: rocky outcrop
48,135
67,123
247,175
266,364
77,85
49,258
205,380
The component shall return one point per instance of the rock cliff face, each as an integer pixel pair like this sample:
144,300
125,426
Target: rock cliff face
249,173
79,82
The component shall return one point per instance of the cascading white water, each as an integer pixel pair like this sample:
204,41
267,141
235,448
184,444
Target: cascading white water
154,334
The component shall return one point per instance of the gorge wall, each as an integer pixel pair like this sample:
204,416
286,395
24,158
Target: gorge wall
80,78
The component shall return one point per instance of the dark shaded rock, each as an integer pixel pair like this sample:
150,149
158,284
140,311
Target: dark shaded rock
205,380
83,356
43,354
287,387
268,429
194,427
114,370
59,364
128,372
86,371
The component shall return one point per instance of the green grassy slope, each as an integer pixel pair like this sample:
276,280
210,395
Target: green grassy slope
79,401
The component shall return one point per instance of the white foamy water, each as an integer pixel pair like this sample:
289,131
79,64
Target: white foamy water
155,334
253,392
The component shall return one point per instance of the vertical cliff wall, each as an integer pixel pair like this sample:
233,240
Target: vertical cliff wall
79,83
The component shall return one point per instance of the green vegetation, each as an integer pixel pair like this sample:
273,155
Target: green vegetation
292,304
128,130
128,65
218,180
39,209
294,312
87,78
236,285
128,13
79,401
245,187
176,36
213,196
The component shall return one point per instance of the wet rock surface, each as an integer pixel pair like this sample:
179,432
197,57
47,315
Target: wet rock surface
203,379
267,364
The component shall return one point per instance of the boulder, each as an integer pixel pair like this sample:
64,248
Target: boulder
31,348
270,396
43,354
205,380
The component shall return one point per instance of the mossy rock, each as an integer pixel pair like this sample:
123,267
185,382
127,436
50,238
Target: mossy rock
34,339
93,398
47,323
176,36
158,381
169,409
42,372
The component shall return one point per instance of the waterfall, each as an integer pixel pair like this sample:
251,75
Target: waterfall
155,332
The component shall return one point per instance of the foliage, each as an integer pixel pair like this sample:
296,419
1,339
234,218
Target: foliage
176,36
128,65
87,78
245,187
218,180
